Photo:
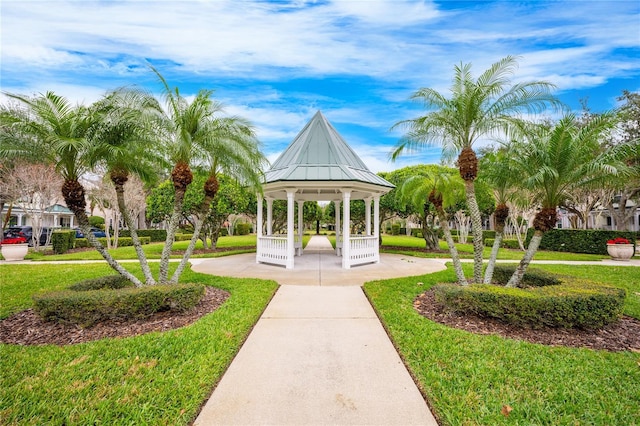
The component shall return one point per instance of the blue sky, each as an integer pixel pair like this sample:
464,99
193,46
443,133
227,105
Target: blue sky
277,62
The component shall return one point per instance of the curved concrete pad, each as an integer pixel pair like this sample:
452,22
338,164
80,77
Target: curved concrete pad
318,267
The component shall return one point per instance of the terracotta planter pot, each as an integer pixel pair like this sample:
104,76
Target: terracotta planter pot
12,252
620,251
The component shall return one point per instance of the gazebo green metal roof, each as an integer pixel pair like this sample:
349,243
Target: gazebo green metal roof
319,153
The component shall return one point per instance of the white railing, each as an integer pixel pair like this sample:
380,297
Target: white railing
363,250
272,250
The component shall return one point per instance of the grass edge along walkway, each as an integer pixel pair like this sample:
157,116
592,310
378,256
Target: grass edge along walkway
156,378
468,378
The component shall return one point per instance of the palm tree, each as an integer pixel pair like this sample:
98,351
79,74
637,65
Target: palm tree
47,128
485,107
232,149
556,160
194,135
123,142
440,189
498,172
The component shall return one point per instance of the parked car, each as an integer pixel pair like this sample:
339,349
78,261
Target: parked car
98,233
27,232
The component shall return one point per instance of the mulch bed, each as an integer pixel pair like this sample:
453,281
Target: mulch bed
27,328
623,335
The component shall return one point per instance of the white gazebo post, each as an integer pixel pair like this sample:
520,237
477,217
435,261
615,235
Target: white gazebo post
300,228
367,215
376,225
338,245
291,195
259,228
346,232
269,216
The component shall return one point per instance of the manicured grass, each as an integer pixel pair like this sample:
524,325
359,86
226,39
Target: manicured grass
154,250
156,379
466,250
467,378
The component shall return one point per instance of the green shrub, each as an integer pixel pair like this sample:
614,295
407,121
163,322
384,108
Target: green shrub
122,241
593,241
488,234
572,304
243,228
532,277
87,308
63,240
506,243
108,282
224,232
183,237
395,229
156,235
96,221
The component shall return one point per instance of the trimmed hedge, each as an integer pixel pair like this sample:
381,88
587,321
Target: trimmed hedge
87,308
572,304
532,277
156,235
506,243
113,282
63,241
592,241
183,237
122,241
243,228
395,229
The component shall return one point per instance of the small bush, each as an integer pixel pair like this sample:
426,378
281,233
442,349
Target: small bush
506,243
113,282
96,222
156,235
183,237
224,232
62,241
87,308
572,304
243,228
488,234
532,277
395,229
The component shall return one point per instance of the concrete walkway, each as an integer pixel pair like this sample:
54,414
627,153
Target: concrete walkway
318,355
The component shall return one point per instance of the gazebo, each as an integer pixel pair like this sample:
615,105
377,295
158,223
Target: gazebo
320,166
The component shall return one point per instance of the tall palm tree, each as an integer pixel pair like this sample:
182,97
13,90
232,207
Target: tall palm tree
486,107
195,136
52,130
123,142
440,189
554,161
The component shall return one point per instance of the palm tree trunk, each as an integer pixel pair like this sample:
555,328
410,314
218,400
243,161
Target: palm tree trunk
457,265
74,196
187,254
171,233
476,227
488,273
517,276
142,258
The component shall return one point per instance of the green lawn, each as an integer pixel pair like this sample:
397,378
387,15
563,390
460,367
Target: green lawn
467,378
154,250
156,379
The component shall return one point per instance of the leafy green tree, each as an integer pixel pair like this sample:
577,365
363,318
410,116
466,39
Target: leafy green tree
486,107
554,161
